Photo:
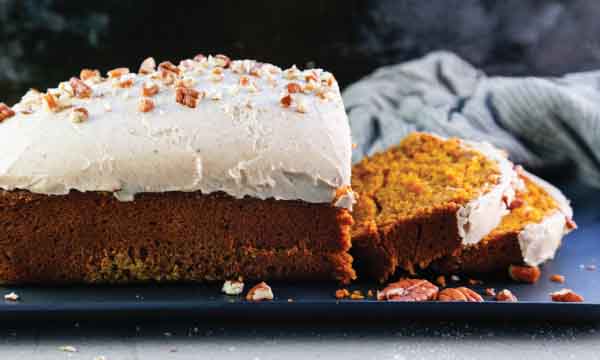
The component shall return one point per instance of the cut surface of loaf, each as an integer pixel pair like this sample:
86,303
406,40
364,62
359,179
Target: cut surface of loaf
425,199
530,234
206,170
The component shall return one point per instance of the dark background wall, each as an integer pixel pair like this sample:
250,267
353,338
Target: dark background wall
45,41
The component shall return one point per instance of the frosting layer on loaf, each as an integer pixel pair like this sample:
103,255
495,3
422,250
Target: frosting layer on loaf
244,136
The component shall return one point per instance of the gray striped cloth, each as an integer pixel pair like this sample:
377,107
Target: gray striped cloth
541,122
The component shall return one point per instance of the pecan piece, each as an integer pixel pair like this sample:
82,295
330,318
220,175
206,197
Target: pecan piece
89,74
222,60
51,102
506,296
118,72
148,66
233,287
145,105
566,295
188,97
293,88
79,115
5,112
459,294
80,89
342,293
169,67
286,100
557,278
260,292
408,290
149,89
526,274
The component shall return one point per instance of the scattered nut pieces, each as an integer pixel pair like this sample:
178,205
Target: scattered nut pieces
526,274
150,89
506,296
169,67
260,292
233,287
516,203
188,97
91,75
148,66
118,72
342,293
68,348
79,115
408,290
286,100
222,60
292,73
293,88
145,105
557,278
357,295
5,112
566,295
80,89
441,280
459,294
490,292
187,82
51,102
571,225
11,296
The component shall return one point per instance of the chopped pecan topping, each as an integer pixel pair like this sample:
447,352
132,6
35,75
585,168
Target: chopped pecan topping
286,100
311,76
79,115
256,70
80,89
187,64
506,295
124,82
148,66
51,102
149,89
310,87
145,105
260,292
89,74
357,295
233,287
292,73
459,294
516,203
5,112
557,278
244,81
526,274
571,225
566,295
118,72
490,292
169,67
327,78
293,88
342,293
222,61
409,290
188,97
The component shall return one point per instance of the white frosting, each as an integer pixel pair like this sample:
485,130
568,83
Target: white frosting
480,216
245,143
539,241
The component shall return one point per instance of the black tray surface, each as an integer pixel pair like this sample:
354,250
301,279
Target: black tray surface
576,260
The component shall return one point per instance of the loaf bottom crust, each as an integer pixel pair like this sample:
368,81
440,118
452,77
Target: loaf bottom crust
408,243
188,237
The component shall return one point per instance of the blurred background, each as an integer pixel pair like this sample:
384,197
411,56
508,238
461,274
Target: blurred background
45,41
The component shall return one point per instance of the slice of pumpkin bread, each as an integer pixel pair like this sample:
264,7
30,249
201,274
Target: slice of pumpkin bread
426,198
539,218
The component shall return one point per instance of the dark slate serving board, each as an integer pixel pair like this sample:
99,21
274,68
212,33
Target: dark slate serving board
316,300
